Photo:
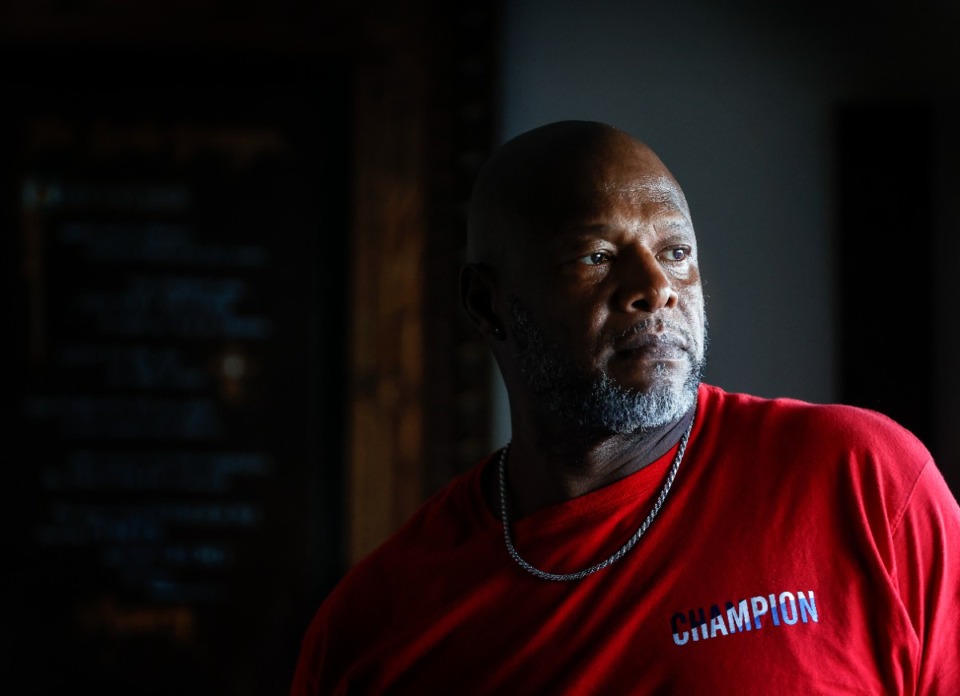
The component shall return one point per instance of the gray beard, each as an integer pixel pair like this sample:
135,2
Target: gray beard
596,401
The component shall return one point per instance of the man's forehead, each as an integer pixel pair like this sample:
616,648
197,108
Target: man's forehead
600,198
649,189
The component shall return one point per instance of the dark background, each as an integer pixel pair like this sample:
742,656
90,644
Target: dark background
174,467
221,225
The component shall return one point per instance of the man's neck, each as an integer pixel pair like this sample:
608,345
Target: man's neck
545,470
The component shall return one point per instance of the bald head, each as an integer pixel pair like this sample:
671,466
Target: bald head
539,177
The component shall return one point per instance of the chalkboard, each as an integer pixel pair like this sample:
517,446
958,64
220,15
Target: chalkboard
174,252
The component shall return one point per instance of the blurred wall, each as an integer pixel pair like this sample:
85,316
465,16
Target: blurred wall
741,102
220,230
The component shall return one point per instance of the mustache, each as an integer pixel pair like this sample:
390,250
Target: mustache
655,331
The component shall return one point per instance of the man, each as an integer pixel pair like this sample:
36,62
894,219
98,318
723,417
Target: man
643,533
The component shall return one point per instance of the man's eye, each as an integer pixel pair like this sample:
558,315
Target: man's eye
677,254
595,259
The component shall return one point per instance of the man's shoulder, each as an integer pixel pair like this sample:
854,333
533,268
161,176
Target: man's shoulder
819,439
849,424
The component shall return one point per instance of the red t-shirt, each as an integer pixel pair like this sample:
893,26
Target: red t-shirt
803,549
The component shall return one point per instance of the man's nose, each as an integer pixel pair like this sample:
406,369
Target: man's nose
644,285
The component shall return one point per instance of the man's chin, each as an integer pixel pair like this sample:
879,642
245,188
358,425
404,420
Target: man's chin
617,409
662,377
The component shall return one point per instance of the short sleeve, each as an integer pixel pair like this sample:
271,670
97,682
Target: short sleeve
927,547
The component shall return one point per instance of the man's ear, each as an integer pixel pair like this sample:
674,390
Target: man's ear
477,292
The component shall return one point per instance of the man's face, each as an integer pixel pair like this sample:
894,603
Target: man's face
607,318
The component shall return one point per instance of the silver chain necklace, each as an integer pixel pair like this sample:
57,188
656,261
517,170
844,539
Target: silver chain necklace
579,575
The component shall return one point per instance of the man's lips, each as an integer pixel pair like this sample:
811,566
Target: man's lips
665,345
